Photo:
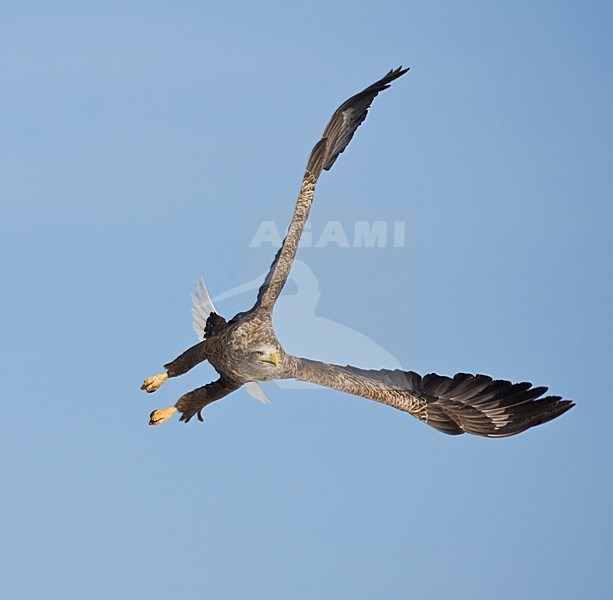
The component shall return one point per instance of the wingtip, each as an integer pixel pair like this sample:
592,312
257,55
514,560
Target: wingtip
390,76
398,72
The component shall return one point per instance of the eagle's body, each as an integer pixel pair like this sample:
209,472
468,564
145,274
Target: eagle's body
246,350
238,344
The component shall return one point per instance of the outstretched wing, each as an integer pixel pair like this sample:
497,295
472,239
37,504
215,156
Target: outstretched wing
202,307
193,402
466,403
336,136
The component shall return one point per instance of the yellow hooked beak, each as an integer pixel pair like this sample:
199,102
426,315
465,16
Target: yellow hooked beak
274,358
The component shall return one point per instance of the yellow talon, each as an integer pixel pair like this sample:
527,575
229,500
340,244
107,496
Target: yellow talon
153,383
159,416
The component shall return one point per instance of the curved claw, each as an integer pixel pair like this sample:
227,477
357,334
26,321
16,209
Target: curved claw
153,383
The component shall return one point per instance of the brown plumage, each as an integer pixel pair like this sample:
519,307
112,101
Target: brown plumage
245,349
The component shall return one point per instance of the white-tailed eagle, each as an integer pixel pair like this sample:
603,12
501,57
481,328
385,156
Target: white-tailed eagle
245,350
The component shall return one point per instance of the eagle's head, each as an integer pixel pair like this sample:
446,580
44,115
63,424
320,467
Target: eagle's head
261,362
266,355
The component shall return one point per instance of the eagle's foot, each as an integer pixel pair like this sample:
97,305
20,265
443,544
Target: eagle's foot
159,416
153,383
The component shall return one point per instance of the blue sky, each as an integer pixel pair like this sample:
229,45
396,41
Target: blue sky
143,143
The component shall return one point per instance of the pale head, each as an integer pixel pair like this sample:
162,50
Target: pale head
261,362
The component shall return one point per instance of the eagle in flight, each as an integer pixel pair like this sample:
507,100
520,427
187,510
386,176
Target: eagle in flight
245,349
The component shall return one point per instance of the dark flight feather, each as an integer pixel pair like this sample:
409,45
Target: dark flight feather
464,403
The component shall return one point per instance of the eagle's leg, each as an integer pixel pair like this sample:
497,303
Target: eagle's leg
182,364
193,402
